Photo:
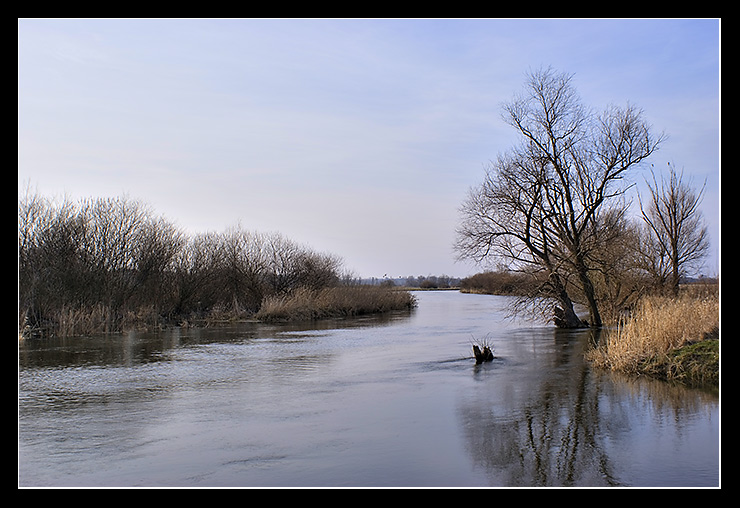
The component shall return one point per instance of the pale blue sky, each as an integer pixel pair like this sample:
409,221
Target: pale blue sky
355,137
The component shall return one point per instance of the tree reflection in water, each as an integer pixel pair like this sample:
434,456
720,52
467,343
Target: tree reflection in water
543,427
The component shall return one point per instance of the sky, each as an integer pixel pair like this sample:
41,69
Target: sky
355,137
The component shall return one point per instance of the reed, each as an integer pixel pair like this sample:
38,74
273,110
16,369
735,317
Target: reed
653,339
341,301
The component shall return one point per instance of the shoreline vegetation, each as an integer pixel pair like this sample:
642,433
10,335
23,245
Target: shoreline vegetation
110,265
334,302
673,338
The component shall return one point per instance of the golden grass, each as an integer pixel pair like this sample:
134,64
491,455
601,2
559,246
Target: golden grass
299,305
305,304
96,319
647,342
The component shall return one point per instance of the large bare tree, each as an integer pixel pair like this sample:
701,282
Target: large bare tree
544,202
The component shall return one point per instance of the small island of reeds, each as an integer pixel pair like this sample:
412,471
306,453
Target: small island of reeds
334,302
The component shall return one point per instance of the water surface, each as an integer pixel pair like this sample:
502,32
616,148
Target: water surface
381,401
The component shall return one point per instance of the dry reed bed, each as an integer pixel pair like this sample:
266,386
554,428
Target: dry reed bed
89,320
651,340
306,304
299,305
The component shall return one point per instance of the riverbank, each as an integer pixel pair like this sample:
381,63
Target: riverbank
333,302
675,339
302,304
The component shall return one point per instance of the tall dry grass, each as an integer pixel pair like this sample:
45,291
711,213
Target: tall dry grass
658,327
97,319
341,301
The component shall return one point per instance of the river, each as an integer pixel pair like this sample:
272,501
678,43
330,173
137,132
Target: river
383,401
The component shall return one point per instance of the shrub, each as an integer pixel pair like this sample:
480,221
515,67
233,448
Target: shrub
108,265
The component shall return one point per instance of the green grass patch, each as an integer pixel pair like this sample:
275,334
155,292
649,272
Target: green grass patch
695,364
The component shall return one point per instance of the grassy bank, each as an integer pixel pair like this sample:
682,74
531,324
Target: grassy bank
332,302
670,338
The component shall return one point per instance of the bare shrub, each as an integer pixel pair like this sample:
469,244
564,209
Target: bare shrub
107,265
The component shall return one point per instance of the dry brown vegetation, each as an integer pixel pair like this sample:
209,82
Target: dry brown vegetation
669,337
498,283
340,301
109,265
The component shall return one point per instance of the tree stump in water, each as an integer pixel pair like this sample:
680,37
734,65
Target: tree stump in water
485,355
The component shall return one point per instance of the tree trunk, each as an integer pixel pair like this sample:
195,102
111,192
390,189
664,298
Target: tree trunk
590,293
567,318
564,315
675,285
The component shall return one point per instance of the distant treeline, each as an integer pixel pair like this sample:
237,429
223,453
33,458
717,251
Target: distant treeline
522,284
499,283
422,281
431,282
109,264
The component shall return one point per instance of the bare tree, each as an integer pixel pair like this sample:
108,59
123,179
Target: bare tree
50,270
546,200
243,270
505,217
191,267
678,238
291,265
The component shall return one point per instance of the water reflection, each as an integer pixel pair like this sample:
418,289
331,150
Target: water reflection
539,428
565,425
132,348
379,401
